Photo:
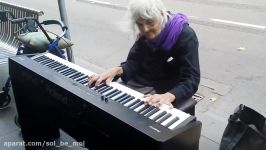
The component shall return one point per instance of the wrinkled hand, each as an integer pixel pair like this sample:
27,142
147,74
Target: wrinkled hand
158,100
106,77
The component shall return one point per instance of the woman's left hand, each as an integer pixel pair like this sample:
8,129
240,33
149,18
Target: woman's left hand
158,100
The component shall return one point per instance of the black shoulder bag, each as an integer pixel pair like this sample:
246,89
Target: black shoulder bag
246,130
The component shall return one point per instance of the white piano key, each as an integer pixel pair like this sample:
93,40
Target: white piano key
115,98
71,74
118,95
63,70
116,92
156,114
57,67
80,77
109,91
176,123
48,63
167,120
130,102
163,118
138,108
178,113
136,105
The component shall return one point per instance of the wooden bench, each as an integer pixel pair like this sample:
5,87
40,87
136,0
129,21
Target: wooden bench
8,42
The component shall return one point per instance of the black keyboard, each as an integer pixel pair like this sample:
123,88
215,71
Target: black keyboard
117,101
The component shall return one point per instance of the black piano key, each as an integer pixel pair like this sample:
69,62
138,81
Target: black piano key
122,99
64,70
45,61
99,86
105,90
50,62
60,68
39,58
84,82
133,103
130,102
59,65
127,100
70,73
152,112
85,77
67,71
53,65
74,71
136,105
77,74
114,94
121,96
146,109
163,118
92,86
172,121
102,88
143,108
74,75
159,115
110,93
56,65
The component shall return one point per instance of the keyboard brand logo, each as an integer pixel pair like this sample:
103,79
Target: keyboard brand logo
155,129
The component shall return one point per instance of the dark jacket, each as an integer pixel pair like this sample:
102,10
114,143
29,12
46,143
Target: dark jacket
176,71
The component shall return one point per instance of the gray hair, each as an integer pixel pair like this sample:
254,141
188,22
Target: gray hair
146,9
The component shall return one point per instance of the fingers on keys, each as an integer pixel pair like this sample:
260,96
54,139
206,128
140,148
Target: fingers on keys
93,80
157,101
96,80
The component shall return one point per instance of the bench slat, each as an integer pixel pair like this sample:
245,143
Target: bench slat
7,30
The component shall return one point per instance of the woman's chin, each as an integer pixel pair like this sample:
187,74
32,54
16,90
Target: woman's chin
150,38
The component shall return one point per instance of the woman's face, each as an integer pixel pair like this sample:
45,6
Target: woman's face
150,28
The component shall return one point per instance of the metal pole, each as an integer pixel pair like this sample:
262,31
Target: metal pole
63,15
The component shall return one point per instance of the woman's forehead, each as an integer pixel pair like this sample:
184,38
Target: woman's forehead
142,20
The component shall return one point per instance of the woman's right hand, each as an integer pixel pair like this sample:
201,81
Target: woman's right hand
107,76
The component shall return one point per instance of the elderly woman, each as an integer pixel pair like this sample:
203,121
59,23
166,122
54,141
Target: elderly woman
163,63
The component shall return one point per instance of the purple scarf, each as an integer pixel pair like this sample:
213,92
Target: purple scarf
170,34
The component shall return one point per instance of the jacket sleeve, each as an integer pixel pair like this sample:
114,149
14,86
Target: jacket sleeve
186,52
132,64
